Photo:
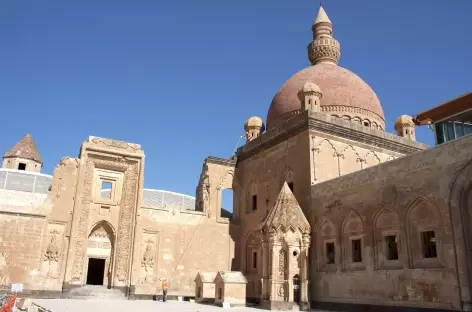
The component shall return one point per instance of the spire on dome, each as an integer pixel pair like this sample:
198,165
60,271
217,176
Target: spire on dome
25,148
321,17
324,48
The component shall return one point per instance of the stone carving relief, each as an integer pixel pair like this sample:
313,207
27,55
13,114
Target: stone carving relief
282,260
281,291
386,219
147,261
327,229
352,111
353,224
116,144
52,254
127,208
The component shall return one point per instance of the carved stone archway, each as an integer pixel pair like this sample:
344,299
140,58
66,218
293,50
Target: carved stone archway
101,246
460,209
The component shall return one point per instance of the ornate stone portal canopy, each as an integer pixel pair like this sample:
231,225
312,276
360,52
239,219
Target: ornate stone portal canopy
285,243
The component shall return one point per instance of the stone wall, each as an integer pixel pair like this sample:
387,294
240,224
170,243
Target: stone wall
181,244
307,149
21,238
403,199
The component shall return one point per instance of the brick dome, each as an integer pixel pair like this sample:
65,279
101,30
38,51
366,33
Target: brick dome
344,95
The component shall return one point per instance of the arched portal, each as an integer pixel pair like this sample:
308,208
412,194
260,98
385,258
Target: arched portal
100,249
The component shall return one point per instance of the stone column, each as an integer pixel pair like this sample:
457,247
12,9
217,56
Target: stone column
303,274
289,279
304,269
265,268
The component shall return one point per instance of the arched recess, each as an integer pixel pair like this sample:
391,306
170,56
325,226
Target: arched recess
252,199
424,231
326,161
327,246
350,162
253,263
460,209
100,254
353,242
387,235
287,176
371,159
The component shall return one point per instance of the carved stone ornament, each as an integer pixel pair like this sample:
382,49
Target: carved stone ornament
115,143
127,210
281,290
148,257
52,251
282,256
286,213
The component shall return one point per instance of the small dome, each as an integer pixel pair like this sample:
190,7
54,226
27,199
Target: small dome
404,120
254,121
310,87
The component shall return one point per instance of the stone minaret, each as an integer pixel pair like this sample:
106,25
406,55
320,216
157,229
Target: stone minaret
405,127
324,48
310,97
23,156
254,127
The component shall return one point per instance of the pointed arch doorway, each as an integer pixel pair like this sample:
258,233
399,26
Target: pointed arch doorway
100,251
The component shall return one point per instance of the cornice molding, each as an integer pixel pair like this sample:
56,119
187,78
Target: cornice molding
221,161
320,122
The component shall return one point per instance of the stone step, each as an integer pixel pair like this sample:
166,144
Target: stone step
93,292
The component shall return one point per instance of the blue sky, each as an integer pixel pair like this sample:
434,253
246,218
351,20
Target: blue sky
181,77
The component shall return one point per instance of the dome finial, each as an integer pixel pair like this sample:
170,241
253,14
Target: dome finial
324,48
321,17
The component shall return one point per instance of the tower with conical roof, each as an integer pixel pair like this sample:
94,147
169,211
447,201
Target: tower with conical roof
23,156
324,48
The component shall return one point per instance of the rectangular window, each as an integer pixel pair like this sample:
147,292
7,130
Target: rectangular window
106,190
392,247
21,166
429,244
254,202
290,186
220,293
330,253
254,260
459,129
450,134
199,292
356,250
467,128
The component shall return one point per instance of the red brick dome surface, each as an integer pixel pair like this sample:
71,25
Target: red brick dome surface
340,88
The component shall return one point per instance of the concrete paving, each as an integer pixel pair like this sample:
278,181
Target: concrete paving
74,305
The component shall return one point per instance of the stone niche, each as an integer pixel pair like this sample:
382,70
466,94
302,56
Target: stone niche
205,287
230,289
